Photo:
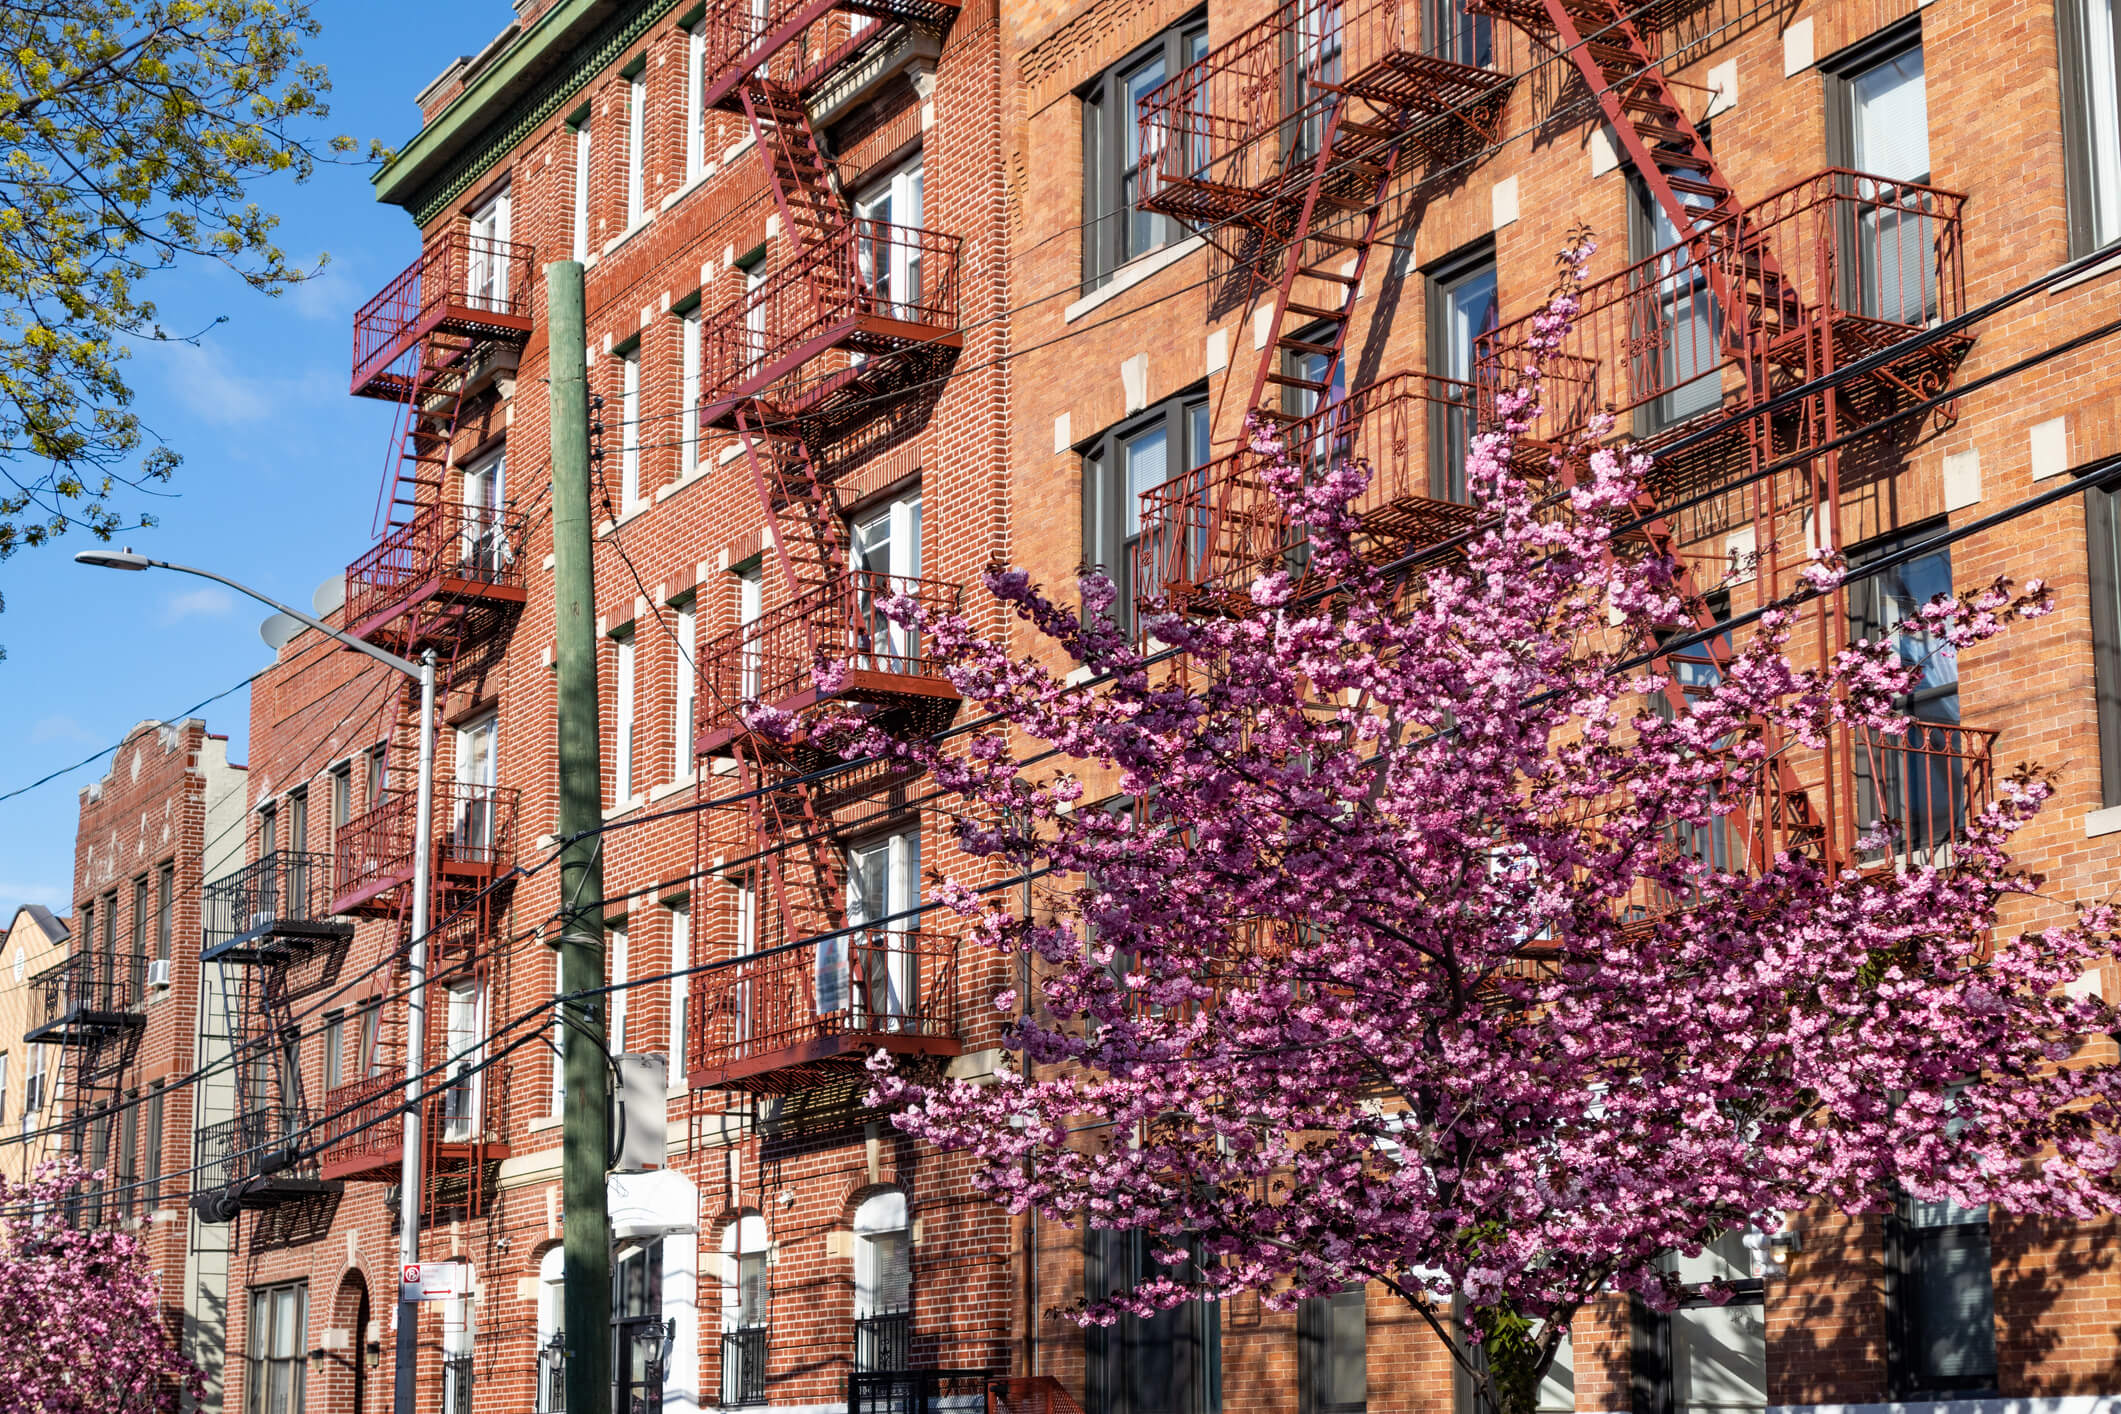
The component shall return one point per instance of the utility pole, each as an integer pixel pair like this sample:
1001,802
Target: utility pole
587,1118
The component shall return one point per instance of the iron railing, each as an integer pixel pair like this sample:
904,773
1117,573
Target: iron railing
870,289
1673,332
774,658
741,36
1920,787
883,1342
87,993
1246,121
865,987
552,1376
457,1382
917,1391
287,894
474,832
257,1142
457,277
744,1366
449,548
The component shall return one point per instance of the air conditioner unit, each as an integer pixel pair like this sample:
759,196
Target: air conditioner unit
158,972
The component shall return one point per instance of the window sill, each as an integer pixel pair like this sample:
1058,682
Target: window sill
538,1126
626,517
730,453
690,187
626,806
664,792
1127,276
2102,822
738,148
691,478
2104,267
624,236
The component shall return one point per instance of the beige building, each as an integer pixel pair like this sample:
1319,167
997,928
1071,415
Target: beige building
29,1073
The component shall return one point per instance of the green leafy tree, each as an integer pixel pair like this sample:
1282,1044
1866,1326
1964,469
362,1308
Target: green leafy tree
132,134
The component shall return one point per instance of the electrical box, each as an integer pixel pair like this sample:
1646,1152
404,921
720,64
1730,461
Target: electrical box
640,1125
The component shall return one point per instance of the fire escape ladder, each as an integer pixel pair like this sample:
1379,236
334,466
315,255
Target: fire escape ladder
801,177
434,403
1307,258
1625,73
809,537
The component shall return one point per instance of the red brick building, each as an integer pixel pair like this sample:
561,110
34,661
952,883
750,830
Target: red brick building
879,295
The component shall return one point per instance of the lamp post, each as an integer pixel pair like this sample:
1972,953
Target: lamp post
422,672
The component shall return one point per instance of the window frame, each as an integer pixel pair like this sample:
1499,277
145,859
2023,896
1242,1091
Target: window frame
684,700
584,171
1109,1365
629,429
1107,123
1904,1252
258,1363
2102,537
625,706
1440,282
2083,184
1317,1324
1106,543
637,148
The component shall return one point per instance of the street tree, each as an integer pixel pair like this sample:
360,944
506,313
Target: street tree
82,1327
136,133
1416,934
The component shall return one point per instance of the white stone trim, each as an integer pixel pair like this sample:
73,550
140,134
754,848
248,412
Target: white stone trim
1127,276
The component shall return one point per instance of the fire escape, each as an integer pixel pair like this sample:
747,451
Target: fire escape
445,576
846,339
268,933
93,1006
1303,124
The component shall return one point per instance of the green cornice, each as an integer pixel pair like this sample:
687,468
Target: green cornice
569,45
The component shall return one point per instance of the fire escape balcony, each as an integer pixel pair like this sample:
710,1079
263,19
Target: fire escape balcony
743,38
464,285
253,1161
363,1128
474,844
1234,135
456,557
87,998
1826,271
775,660
872,308
1208,533
271,911
783,1020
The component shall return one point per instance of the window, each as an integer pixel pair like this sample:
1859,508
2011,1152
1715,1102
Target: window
1332,1339
1878,124
883,1283
1680,362
464,1031
34,1085
151,1189
1940,1296
279,1318
378,779
745,1307
695,108
478,777
750,602
141,912
268,831
371,1036
620,967
887,211
581,189
1169,1363
1917,783
341,797
1458,36
298,820
1115,228
754,268
2091,117
3,1087
689,392
1136,456
552,1328
486,262
875,971
636,149
128,1174
2102,516
1462,306
886,544
622,718
681,707
484,548
1704,1358
637,1323
680,987
334,1051
1557,1392
630,431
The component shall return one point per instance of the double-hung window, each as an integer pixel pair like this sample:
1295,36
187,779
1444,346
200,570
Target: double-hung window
682,725
630,431
1916,782
1878,124
2090,32
637,149
165,904
1710,1355
873,971
695,107
1940,1295
1677,370
623,692
886,541
486,266
689,392
1332,1336
2102,516
279,1317
888,215
1462,306
582,153
1140,454
1169,1363
1115,227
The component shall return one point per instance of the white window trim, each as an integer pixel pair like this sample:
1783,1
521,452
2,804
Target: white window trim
636,149
583,153
625,695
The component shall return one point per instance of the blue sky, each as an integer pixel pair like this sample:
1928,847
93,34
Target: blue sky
281,467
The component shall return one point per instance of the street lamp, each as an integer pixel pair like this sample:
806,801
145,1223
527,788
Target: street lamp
423,672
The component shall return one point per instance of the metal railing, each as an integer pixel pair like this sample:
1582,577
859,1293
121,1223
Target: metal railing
741,36
470,277
474,829
869,289
744,1366
1672,331
552,1376
258,1141
866,983
457,1382
1921,786
773,659
449,547
883,1341
285,888
90,990
917,1391
1247,119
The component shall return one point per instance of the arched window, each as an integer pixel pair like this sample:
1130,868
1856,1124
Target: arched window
883,1283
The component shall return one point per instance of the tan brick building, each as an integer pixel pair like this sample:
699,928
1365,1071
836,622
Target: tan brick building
877,295
37,941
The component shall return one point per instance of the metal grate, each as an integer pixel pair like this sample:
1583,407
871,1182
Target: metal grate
744,1366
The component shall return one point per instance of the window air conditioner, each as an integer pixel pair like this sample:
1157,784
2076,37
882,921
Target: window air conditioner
158,972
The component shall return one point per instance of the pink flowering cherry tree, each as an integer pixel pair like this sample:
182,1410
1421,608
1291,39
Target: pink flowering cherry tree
1398,965
82,1329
